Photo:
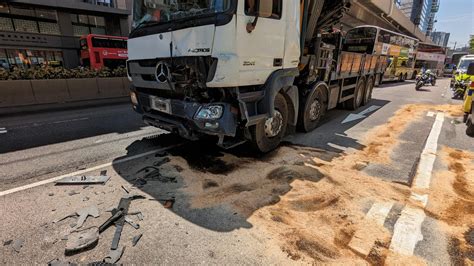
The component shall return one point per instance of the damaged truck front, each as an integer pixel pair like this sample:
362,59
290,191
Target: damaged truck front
226,68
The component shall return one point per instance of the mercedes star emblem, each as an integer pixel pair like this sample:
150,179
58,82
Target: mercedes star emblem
162,73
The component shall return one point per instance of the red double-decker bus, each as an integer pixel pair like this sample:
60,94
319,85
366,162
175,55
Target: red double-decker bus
98,51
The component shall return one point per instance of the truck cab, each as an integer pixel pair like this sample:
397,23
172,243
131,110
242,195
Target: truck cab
239,70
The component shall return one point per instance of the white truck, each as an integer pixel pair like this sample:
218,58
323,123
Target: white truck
244,70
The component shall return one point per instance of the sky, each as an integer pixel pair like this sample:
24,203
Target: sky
456,17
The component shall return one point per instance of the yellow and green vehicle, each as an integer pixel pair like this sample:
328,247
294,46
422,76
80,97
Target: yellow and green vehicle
465,73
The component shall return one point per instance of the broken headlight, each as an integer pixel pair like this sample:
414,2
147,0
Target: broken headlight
210,112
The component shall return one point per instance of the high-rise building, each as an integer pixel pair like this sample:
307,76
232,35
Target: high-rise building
421,12
35,32
440,38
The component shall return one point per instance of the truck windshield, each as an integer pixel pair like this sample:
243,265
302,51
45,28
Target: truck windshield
148,12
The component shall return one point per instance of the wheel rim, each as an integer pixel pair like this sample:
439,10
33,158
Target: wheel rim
274,125
315,110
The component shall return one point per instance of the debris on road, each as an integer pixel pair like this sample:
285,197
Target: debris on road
161,161
114,255
57,262
118,218
136,239
85,180
18,244
131,222
72,193
86,212
50,194
80,240
126,190
7,242
208,183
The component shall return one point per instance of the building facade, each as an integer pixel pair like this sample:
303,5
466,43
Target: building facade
441,38
38,32
421,12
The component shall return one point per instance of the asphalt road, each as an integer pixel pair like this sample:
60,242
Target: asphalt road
41,146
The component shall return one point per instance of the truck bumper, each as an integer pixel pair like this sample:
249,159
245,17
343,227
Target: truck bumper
180,118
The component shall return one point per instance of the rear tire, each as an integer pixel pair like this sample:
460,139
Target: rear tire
264,142
368,91
470,126
356,102
405,77
312,111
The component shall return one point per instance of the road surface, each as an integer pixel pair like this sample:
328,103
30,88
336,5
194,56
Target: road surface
390,182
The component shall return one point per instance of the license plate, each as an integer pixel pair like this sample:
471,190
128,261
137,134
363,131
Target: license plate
159,104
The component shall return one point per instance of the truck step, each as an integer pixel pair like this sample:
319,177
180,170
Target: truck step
251,96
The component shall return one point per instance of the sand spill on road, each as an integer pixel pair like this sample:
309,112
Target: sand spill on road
310,202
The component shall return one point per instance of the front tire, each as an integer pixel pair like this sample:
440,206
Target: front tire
419,84
267,136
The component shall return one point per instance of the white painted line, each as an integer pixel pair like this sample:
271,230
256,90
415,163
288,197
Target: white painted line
3,131
428,156
379,212
47,181
70,120
364,239
430,114
407,231
423,199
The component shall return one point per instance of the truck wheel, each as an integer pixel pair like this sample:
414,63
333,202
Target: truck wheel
470,126
368,91
267,136
312,110
356,102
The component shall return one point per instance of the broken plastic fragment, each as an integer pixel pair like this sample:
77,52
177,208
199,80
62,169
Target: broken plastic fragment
18,244
82,239
136,239
114,255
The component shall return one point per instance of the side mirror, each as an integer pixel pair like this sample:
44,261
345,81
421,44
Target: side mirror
470,69
455,68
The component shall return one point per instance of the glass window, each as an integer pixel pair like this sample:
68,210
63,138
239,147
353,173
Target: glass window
74,18
100,31
49,28
83,19
4,7
22,11
23,25
4,63
96,21
6,24
80,30
276,12
47,14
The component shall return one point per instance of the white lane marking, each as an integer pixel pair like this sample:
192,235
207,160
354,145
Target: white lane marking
51,123
430,114
422,199
3,130
70,120
428,157
364,239
47,181
407,231
363,114
379,212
